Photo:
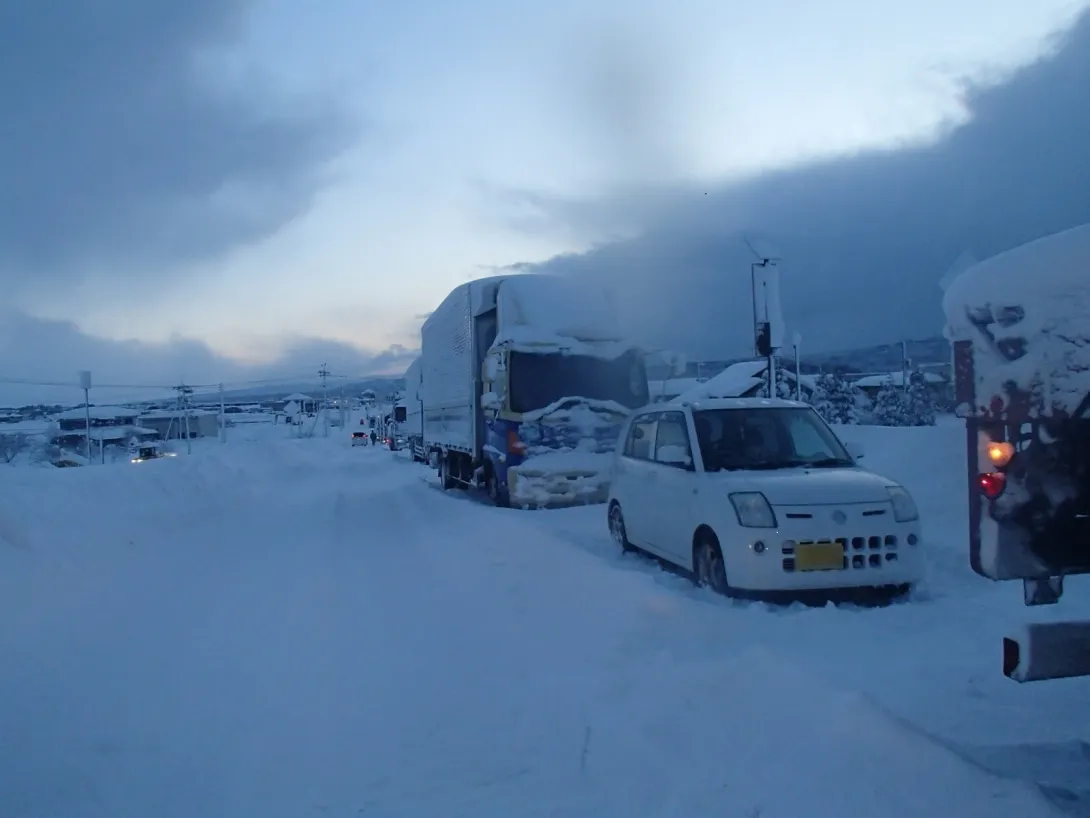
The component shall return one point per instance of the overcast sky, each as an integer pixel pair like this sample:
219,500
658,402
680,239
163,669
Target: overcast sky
220,189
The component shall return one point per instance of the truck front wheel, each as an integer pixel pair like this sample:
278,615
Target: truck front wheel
445,476
497,493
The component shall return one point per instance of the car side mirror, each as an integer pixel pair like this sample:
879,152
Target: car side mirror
855,450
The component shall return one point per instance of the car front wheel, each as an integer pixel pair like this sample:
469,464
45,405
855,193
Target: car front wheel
616,528
709,569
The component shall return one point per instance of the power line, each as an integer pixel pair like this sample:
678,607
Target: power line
324,375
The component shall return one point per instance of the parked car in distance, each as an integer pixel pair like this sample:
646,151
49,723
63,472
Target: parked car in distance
756,495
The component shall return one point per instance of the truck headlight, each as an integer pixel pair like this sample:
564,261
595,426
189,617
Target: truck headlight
904,507
753,510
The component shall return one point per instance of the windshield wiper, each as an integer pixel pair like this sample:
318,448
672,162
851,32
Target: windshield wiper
828,462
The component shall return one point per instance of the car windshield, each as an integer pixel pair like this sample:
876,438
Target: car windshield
767,438
538,380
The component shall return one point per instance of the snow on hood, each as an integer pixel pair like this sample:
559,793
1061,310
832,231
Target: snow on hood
582,412
1034,303
817,487
579,462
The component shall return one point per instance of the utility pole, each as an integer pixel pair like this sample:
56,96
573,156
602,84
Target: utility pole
798,368
85,384
223,418
183,407
904,366
324,373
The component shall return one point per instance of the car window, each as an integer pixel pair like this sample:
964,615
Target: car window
672,440
805,438
753,438
640,434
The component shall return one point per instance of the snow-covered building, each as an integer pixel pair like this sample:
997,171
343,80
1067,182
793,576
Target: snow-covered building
303,403
666,390
871,384
171,425
110,425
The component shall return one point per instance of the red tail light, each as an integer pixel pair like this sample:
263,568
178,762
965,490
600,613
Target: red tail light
992,484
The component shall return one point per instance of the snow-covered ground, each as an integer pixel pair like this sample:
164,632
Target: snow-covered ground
282,627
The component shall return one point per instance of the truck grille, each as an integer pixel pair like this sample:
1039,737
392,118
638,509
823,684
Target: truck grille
860,553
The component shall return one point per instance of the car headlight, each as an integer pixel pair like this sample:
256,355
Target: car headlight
904,507
753,510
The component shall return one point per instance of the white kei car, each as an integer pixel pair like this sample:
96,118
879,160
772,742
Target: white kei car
768,499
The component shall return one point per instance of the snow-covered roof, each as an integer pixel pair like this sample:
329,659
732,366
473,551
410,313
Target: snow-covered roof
25,427
898,378
99,413
1027,312
163,414
673,386
735,380
109,433
298,396
809,382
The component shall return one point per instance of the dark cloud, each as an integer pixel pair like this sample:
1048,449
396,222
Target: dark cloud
865,239
118,149
42,350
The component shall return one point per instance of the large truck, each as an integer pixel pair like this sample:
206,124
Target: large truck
411,427
1019,323
526,380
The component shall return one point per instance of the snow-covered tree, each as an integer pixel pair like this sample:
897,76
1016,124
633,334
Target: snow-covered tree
891,405
784,388
921,408
13,445
836,399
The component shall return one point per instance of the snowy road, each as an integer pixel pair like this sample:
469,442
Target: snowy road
306,629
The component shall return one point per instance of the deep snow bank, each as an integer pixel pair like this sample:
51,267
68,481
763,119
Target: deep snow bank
301,628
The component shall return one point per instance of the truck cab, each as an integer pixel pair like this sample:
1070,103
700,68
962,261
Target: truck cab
552,419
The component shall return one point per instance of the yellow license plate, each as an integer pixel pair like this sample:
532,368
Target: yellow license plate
819,557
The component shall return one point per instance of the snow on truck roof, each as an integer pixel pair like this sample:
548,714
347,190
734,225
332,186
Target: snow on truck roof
538,311
1051,274
1027,312
542,300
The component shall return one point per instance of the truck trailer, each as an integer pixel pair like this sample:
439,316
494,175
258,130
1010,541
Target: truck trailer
412,407
1019,323
525,382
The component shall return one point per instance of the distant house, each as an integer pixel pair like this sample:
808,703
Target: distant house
110,425
303,403
871,384
666,390
172,425
743,380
